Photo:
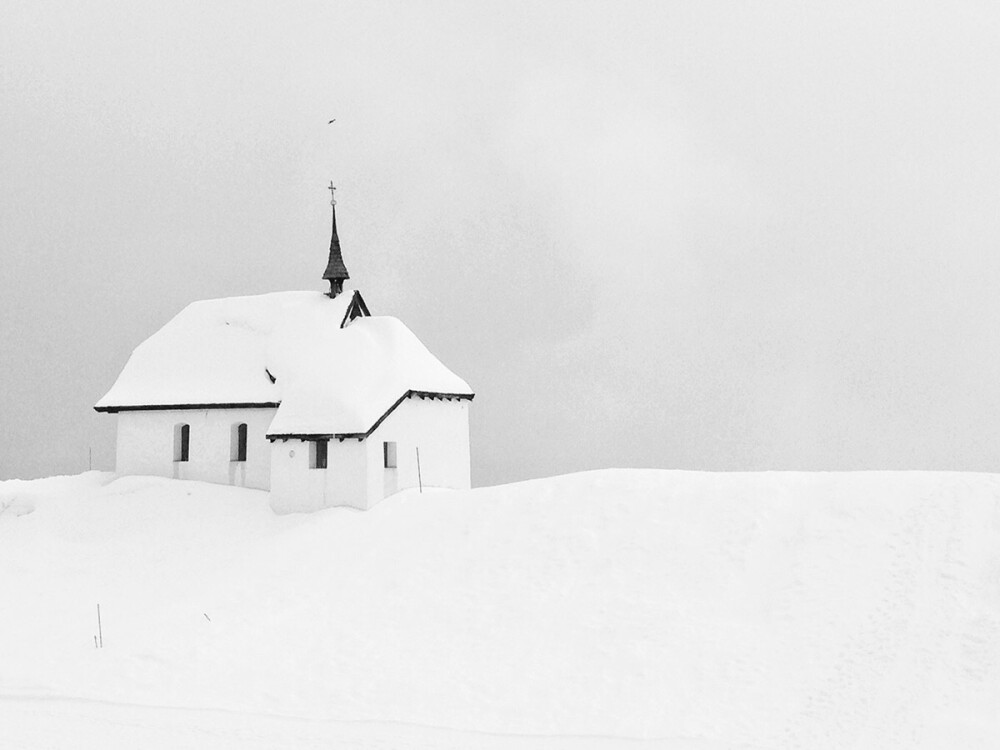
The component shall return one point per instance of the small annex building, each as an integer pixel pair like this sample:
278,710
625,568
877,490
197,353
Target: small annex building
304,394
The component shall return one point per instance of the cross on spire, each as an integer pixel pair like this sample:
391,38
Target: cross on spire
333,194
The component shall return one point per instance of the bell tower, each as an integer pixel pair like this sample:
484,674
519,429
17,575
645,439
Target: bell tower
336,271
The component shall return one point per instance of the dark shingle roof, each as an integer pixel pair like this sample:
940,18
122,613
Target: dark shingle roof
335,268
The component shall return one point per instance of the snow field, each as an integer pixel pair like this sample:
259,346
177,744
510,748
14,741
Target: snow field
619,608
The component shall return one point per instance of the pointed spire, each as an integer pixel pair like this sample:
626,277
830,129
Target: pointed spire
336,271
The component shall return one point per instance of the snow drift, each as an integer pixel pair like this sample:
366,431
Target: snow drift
775,610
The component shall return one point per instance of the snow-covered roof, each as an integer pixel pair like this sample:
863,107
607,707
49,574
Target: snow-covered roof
328,379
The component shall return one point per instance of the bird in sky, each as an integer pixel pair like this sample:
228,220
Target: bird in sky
332,121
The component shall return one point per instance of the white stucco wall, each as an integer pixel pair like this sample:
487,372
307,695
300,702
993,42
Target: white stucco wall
440,429
295,488
146,445
355,475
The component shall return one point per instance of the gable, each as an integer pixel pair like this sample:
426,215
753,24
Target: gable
356,309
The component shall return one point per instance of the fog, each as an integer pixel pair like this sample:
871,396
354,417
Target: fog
702,235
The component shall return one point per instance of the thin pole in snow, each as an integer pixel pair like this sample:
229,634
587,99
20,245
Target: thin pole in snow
419,478
99,631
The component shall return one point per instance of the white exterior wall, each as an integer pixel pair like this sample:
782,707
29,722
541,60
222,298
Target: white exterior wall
146,445
440,429
295,488
355,475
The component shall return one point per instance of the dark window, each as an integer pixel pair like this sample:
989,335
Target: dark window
389,455
238,450
182,442
317,454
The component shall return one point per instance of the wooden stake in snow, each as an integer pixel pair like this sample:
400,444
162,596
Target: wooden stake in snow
99,631
419,478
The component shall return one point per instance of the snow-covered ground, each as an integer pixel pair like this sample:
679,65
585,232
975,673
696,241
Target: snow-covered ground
612,609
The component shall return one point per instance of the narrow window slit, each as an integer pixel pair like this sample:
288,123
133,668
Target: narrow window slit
238,443
182,442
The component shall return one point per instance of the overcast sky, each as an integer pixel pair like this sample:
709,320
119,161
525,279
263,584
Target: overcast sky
703,235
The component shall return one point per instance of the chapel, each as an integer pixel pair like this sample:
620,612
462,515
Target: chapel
304,394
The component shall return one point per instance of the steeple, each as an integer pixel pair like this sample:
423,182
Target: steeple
336,271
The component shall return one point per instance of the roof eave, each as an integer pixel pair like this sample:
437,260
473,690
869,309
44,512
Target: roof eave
188,407
362,435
